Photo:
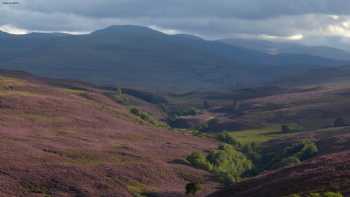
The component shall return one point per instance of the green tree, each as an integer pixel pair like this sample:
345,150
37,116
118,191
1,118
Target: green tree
229,161
199,160
325,194
308,150
227,138
332,194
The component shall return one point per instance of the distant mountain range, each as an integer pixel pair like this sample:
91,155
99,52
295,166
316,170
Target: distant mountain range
275,48
139,57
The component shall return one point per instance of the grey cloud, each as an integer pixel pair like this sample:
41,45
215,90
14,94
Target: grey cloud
251,9
208,18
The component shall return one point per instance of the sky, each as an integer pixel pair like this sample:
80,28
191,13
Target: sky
315,22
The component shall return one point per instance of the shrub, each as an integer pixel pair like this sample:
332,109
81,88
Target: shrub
309,150
199,160
325,194
229,139
302,150
135,111
146,117
143,115
191,111
332,194
293,154
226,162
192,188
252,151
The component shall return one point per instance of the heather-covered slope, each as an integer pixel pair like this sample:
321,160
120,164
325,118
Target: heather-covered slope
68,142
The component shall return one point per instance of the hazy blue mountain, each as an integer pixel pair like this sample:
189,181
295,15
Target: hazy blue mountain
135,56
289,48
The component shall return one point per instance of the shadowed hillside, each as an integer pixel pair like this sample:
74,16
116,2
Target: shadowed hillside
133,56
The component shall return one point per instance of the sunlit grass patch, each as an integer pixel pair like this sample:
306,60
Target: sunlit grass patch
7,93
136,187
258,135
8,81
74,91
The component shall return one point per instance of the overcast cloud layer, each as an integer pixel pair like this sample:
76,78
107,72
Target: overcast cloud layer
319,22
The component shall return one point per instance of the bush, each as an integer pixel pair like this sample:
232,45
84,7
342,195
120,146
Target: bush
143,115
325,194
298,152
192,188
134,111
146,117
191,111
332,194
252,151
308,151
293,154
199,160
226,162
229,139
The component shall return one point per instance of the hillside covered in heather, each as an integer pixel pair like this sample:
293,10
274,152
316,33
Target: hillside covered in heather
60,141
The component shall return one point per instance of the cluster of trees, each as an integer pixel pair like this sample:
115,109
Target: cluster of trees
295,153
324,194
289,155
234,160
226,162
146,117
250,150
262,160
175,114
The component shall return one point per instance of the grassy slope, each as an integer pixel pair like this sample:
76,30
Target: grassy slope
62,142
257,135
